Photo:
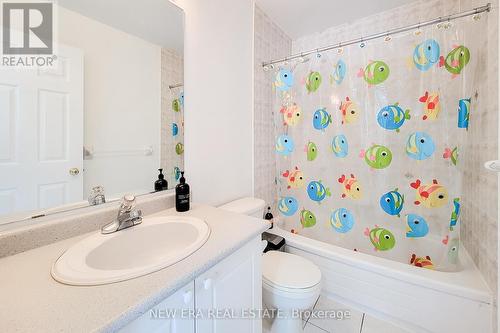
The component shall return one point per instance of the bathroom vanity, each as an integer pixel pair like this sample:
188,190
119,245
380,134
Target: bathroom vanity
204,304
224,273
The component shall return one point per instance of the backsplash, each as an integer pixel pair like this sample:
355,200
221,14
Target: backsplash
30,234
270,42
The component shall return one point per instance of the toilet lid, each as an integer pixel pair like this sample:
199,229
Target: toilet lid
289,270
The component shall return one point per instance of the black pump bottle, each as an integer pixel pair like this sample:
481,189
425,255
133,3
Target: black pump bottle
182,195
161,184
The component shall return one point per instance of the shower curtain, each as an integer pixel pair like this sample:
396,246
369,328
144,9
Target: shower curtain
370,139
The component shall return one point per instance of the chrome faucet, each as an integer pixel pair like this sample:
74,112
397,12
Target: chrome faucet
97,196
127,216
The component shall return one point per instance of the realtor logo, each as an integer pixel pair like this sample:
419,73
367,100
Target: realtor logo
27,28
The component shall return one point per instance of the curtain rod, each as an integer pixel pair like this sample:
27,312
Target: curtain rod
485,8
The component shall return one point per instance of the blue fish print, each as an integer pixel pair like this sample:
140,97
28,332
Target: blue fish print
317,191
321,119
392,202
340,146
426,54
181,98
284,80
455,214
175,129
417,226
288,206
339,72
392,117
463,113
284,145
342,220
420,146
177,173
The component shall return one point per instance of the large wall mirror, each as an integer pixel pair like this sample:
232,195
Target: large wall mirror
104,119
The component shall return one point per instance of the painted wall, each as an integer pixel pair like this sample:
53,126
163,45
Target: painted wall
121,104
218,82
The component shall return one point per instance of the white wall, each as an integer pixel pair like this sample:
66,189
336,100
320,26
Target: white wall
122,102
218,77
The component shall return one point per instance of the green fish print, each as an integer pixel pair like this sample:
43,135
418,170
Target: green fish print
375,72
179,148
313,81
456,60
311,150
377,156
176,105
307,218
381,238
451,154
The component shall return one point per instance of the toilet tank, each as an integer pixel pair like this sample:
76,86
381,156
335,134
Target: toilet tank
246,206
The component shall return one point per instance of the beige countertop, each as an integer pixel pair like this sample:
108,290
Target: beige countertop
31,301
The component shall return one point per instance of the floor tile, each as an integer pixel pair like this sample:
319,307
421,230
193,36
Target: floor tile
305,315
351,324
310,328
266,325
375,325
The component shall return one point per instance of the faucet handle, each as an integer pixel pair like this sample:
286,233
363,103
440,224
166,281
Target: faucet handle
96,196
128,202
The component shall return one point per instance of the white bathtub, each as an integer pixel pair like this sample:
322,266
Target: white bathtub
418,299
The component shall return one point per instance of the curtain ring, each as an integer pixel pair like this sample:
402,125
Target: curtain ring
339,48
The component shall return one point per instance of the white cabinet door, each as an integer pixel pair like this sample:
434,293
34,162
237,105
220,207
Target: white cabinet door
173,315
233,285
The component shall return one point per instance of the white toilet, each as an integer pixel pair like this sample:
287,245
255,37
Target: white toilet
290,283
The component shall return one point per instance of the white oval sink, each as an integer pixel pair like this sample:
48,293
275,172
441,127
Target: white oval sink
155,244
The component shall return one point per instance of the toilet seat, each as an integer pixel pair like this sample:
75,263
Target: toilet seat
290,291
289,273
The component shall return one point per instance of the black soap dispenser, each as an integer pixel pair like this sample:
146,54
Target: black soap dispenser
161,184
269,217
182,195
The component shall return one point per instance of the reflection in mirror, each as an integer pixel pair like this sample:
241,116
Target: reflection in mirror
102,120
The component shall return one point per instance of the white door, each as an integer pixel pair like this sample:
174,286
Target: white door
235,284
41,135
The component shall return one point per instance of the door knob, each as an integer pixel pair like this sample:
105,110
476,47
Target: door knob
188,295
207,284
74,171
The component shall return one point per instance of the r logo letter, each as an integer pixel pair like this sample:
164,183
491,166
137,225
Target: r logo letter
27,28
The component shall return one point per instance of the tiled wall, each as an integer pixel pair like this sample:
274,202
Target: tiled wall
270,42
479,232
172,73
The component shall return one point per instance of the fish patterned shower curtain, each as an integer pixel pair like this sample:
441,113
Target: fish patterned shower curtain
370,141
